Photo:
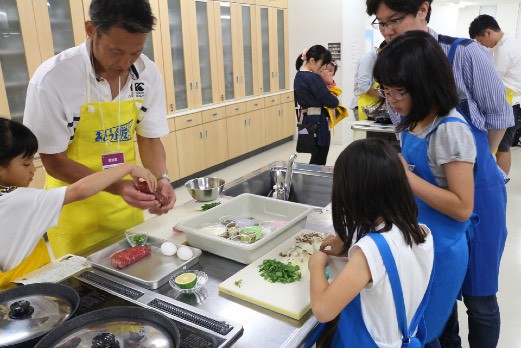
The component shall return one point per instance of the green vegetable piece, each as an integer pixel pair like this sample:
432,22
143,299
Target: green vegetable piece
238,283
277,272
207,206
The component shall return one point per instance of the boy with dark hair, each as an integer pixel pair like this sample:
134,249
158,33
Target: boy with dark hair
506,51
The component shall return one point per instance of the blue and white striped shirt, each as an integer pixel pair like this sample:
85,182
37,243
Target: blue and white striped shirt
478,81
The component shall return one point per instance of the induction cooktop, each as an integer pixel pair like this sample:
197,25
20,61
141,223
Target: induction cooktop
198,328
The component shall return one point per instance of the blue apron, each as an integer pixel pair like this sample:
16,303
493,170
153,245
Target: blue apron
451,254
352,332
490,200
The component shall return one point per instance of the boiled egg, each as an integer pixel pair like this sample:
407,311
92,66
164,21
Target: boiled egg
185,253
168,248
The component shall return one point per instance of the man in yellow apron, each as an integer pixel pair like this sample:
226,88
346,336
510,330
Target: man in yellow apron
84,105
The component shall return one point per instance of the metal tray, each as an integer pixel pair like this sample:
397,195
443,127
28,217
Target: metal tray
150,272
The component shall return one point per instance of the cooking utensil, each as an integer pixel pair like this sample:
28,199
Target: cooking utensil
205,189
129,326
28,312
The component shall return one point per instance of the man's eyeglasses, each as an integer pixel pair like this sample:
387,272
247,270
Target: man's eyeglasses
396,95
391,23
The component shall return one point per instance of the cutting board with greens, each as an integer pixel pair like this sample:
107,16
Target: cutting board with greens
279,280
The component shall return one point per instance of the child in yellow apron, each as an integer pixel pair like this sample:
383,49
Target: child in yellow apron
26,213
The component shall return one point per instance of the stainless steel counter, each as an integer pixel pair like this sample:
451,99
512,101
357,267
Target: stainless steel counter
262,327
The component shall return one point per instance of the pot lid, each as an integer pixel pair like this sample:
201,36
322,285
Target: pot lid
115,327
31,311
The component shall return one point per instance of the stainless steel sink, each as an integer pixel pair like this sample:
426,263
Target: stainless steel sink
310,184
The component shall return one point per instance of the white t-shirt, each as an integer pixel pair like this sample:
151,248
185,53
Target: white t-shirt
507,59
414,268
60,86
26,214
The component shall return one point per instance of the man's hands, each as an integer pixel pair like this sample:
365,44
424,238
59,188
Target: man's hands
166,190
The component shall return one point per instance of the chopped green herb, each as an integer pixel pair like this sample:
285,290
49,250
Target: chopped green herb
207,206
238,283
138,239
277,272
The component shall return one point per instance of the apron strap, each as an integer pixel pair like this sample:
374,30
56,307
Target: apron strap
452,50
394,278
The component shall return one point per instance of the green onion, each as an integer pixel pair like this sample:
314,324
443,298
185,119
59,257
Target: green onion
138,239
207,206
277,272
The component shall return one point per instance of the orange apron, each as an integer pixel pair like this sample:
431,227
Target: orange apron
103,127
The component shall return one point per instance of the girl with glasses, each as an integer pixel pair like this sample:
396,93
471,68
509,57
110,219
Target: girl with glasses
439,153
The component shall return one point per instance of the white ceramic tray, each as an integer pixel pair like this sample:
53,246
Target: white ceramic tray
246,205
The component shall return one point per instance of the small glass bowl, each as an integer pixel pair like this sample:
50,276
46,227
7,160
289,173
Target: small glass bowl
202,278
135,238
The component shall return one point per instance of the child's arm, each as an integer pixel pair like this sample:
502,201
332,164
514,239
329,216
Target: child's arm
97,182
328,300
457,201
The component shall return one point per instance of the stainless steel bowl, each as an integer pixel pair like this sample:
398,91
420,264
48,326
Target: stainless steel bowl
205,189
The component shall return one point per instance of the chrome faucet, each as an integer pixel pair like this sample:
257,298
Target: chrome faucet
282,186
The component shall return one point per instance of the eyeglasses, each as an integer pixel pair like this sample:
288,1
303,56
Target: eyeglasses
391,23
396,95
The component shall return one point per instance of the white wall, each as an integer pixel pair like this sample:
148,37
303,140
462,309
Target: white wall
453,20
444,19
314,22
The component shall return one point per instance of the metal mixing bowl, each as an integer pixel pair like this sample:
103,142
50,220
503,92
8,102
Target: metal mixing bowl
205,189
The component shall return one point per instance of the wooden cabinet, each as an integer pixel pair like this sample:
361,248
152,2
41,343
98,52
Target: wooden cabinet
273,67
201,146
235,34
189,51
280,117
19,55
246,132
288,119
273,3
60,23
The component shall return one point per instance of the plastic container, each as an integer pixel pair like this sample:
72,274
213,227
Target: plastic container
246,205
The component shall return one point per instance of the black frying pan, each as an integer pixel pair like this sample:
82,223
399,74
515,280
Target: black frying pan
65,333
17,309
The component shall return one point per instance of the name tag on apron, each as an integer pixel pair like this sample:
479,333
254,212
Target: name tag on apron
110,160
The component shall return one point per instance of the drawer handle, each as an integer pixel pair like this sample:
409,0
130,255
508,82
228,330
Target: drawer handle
255,104
189,120
236,109
215,114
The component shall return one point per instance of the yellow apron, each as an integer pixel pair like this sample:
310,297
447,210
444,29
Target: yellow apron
365,100
341,111
88,222
38,258
510,95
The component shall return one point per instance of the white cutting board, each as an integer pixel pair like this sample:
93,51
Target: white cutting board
290,299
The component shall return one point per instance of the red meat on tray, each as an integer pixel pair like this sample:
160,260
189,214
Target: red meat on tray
127,257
